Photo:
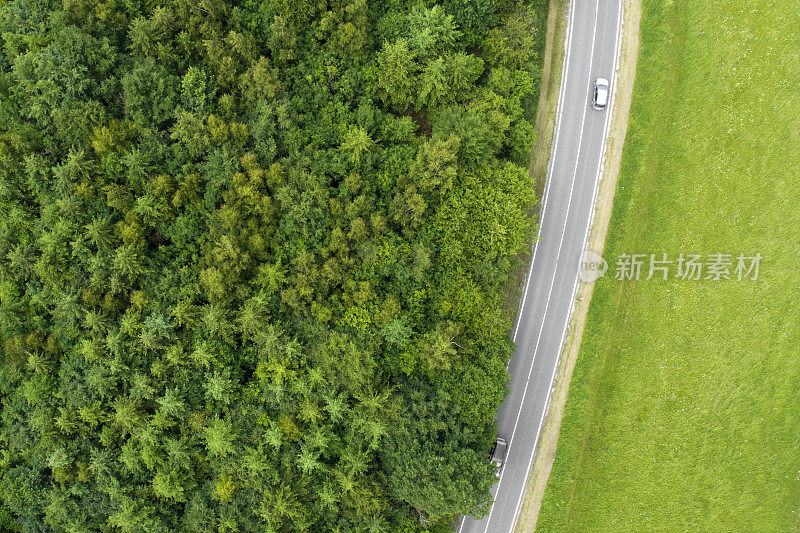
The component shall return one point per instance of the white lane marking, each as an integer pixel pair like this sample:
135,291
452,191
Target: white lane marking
555,271
550,163
560,246
598,177
586,234
553,149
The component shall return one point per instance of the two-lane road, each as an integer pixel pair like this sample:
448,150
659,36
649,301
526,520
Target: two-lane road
592,44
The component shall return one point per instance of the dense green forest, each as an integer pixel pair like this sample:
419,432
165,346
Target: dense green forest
252,259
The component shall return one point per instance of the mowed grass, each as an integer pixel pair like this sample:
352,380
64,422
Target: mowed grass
684,408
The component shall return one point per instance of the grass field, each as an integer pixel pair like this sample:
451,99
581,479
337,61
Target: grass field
684,408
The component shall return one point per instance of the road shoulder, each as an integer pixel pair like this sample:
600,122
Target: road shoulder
546,448
544,126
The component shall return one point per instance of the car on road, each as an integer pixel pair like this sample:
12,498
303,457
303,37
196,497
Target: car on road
600,98
499,454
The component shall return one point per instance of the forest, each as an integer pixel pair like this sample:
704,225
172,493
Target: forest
253,259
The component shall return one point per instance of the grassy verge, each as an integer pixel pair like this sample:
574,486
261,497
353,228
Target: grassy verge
682,413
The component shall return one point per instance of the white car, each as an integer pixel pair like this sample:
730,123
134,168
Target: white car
600,98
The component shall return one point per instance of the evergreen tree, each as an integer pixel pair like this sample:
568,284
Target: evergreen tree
252,257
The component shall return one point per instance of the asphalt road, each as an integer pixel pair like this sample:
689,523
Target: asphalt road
592,45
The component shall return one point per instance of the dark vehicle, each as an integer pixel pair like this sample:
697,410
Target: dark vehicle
499,454
600,99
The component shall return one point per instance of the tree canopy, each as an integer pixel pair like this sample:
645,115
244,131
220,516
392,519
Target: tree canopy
252,259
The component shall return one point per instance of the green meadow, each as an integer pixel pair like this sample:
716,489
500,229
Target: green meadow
684,407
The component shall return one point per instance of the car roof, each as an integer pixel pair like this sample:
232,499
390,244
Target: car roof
500,450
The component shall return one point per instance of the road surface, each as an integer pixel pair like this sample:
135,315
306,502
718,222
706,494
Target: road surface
592,44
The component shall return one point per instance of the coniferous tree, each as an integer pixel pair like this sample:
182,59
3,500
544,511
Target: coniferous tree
252,258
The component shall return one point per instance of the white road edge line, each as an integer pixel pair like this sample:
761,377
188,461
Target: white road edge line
558,255
598,177
560,246
553,147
